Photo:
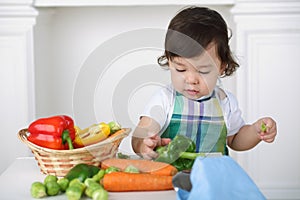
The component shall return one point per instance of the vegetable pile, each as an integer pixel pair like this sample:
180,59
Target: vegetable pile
115,175
60,133
82,179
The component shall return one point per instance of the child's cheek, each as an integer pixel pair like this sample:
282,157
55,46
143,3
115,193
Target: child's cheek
178,82
209,82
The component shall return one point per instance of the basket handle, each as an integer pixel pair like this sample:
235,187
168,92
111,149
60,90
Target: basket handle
125,132
22,135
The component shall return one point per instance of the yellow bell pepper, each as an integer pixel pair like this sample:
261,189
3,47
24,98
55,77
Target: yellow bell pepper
91,135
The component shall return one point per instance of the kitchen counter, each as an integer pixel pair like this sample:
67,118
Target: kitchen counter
16,180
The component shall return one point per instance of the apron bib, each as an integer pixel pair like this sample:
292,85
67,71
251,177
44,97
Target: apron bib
200,120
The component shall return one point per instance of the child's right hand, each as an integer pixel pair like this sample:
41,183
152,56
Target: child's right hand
149,144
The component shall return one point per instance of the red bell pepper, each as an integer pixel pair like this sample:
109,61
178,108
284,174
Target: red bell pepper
52,132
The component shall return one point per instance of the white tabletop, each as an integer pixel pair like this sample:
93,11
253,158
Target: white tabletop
15,183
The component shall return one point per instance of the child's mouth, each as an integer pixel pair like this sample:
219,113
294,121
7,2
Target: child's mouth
192,92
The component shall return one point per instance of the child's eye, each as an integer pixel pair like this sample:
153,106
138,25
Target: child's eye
204,72
180,70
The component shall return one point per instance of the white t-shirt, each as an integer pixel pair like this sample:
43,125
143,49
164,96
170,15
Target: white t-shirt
158,108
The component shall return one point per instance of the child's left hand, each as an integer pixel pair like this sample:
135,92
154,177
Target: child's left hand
269,134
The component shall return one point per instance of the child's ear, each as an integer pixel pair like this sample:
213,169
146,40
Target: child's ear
222,69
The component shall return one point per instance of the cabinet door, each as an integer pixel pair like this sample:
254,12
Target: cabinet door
268,47
16,79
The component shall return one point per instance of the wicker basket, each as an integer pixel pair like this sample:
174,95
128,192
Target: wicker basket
59,162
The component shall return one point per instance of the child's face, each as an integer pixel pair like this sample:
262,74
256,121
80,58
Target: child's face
196,77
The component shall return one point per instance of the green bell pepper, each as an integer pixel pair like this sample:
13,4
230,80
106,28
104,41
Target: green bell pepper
82,171
180,153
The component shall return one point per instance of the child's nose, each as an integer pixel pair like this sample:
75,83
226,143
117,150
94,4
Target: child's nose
192,78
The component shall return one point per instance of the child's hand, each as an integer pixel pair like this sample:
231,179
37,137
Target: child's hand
149,144
266,129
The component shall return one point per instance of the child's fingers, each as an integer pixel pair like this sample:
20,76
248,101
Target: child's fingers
158,141
269,137
269,123
147,149
272,127
149,155
149,142
165,141
265,125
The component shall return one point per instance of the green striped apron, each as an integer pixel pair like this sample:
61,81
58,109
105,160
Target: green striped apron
200,120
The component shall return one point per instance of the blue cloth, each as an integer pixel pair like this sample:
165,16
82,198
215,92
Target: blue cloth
219,178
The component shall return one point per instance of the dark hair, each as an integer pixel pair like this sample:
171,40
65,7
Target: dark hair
192,30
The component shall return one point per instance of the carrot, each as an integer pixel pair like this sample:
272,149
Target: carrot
124,181
144,166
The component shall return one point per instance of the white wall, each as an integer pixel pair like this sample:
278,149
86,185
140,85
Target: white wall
67,40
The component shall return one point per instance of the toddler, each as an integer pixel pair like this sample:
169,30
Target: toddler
197,55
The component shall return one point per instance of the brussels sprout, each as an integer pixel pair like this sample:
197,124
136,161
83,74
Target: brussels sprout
99,175
52,188
74,192
100,194
131,169
111,169
88,182
114,127
38,190
93,186
63,183
50,178
77,182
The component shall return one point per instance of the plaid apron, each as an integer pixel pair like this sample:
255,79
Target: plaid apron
200,120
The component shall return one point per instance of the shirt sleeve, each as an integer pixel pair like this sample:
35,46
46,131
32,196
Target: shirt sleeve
158,106
232,114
